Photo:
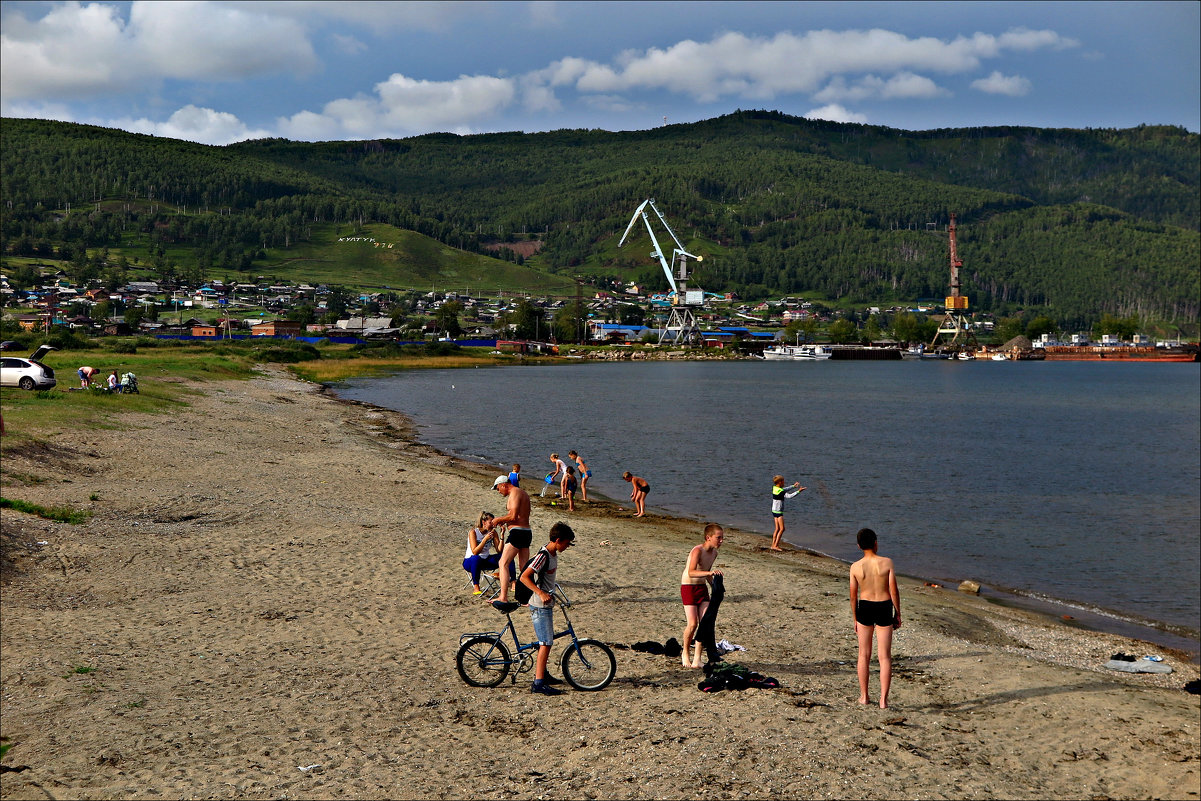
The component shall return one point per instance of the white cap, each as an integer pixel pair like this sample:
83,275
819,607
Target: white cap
500,480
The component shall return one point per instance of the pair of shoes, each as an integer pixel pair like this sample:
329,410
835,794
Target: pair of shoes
544,689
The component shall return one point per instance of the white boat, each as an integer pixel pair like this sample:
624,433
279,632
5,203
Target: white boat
1000,357
966,356
798,353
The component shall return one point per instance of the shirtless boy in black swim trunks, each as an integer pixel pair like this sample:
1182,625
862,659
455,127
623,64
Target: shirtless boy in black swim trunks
517,518
876,608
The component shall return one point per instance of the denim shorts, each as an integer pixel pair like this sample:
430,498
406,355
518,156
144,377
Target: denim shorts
544,624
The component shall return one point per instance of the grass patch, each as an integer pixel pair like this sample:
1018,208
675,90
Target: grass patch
62,514
23,478
79,670
168,374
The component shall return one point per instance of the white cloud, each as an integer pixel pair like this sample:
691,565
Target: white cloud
38,111
403,106
433,15
348,44
194,125
835,113
998,84
612,103
762,67
544,14
84,51
903,85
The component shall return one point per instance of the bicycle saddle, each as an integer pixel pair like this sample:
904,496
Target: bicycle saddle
505,607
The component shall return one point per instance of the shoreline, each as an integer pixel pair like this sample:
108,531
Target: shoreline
1186,646
267,599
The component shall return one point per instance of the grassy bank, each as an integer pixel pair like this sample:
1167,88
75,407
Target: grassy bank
167,377
169,373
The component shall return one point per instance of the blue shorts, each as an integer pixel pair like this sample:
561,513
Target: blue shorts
544,624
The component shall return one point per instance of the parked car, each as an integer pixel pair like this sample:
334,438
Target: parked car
27,373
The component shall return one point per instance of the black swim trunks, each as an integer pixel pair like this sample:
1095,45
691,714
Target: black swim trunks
520,537
874,613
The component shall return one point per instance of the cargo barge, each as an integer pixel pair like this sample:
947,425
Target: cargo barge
1120,353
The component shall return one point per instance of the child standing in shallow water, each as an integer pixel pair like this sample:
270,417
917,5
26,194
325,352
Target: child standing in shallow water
876,609
638,490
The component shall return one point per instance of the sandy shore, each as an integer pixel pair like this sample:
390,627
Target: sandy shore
271,580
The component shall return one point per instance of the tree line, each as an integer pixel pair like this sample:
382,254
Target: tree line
1071,223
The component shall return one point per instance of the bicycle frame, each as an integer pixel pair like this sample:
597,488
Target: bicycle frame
525,651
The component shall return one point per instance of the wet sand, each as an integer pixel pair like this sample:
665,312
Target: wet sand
270,580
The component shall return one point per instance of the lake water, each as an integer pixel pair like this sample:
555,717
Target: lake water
1076,482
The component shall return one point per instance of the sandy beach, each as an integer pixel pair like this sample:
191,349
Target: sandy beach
267,600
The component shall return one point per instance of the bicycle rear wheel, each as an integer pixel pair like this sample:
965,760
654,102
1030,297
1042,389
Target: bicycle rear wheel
483,661
589,665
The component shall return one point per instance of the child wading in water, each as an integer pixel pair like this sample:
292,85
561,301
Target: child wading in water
778,494
876,609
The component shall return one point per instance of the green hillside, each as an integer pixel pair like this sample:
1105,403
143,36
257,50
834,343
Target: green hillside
1069,223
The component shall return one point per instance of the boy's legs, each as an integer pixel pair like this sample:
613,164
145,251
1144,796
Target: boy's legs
864,633
777,532
544,631
884,657
692,615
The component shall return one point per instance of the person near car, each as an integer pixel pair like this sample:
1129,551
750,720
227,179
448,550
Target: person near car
85,376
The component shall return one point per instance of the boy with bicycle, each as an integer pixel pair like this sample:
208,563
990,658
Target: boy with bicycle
540,576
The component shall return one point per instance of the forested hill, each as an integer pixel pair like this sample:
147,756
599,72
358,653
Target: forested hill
1075,223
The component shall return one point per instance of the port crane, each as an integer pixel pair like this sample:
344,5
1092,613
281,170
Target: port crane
681,326
954,322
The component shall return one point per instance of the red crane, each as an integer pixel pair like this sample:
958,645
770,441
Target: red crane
955,300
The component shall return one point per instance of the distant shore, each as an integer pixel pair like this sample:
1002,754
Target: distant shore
267,601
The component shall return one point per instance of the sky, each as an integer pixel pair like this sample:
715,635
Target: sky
221,72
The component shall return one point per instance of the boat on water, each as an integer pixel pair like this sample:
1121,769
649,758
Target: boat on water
1115,353
797,353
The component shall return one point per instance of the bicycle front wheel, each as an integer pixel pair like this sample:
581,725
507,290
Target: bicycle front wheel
483,661
589,665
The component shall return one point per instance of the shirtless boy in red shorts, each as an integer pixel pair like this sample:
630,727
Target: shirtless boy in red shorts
694,590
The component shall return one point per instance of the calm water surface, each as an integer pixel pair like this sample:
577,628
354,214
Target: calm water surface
1073,481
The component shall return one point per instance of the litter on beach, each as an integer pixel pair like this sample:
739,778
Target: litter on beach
1144,665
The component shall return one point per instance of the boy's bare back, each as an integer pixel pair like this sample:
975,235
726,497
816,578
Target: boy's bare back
871,575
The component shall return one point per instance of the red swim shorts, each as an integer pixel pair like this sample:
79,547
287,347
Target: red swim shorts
693,594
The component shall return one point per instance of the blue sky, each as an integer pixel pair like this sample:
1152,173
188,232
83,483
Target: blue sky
219,72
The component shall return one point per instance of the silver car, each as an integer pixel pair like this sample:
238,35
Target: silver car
27,373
